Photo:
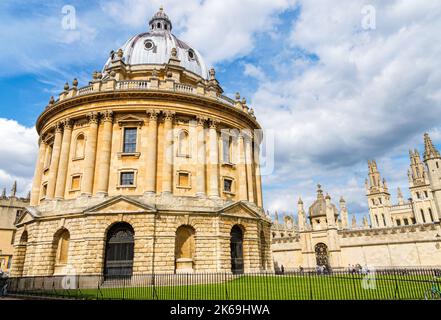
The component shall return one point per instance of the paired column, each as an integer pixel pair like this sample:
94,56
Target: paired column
60,187
167,164
53,169
35,195
242,183
105,153
249,166
213,160
258,177
90,156
152,138
200,157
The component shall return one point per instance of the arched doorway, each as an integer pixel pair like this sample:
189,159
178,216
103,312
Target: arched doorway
262,251
321,254
184,249
236,249
61,248
119,251
20,254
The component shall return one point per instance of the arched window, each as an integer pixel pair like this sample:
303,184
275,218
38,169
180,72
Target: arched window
227,143
183,144
119,251
422,216
79,146
62,248
236,250
184,249
159,25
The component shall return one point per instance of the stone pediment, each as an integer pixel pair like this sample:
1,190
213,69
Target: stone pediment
130,120
120,204
27,215
240,209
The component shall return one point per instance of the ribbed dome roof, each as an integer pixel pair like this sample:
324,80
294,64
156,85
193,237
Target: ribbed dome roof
318,208
155,47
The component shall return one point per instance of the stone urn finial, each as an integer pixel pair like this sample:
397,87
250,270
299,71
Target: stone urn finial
120,53
174,53
66,86
75,83
237,96
212,74
51,100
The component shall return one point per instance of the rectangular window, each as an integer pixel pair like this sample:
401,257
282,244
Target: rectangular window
44,190
425,194
413,221
398,222
226,149
228,185
129,145
76,182
127,179
406,222
184,179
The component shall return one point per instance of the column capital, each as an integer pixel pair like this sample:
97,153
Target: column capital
67,123
59,127
213,123
200,120
168,115
92,117
153,114
107,116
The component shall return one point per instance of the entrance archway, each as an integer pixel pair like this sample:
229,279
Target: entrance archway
321,254
119,251
236,249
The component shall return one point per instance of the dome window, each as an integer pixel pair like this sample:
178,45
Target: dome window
191,55
149,45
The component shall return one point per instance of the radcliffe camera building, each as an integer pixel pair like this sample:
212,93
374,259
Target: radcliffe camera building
149,168
407,233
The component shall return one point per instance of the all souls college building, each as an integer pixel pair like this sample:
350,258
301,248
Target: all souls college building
149,168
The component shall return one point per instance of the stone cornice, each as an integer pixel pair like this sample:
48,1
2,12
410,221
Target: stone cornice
160,95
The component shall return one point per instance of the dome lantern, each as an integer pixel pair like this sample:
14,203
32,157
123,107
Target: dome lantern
160,21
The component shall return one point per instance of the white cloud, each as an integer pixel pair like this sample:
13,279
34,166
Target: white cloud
370,94
18,149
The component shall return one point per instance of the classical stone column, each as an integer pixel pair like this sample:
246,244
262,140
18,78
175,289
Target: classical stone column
258,177
53,169
167,165
152,150
213,160
201,157
90,155
60,187
36,185
105,153
241,168
249,166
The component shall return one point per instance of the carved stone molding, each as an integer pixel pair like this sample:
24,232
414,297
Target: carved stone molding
107,116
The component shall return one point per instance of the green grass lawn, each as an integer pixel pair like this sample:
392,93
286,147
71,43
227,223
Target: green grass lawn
273,287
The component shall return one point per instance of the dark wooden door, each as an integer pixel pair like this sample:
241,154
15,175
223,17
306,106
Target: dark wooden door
236,248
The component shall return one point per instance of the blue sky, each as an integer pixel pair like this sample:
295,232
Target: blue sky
333,92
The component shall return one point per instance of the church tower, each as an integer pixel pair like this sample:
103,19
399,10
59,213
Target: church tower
432,160
420,189
378,197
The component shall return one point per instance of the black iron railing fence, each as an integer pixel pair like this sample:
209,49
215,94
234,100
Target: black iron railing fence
408,283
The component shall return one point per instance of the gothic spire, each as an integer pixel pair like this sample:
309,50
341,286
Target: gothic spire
14,189
430,152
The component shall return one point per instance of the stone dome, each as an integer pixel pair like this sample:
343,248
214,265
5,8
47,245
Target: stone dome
155,48
318,208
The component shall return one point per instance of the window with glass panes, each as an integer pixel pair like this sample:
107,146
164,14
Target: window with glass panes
129,140
228,185
127,178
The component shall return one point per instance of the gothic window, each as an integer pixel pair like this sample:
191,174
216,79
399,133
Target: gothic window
183,144
413,221
373,202
379,200
79,147
418,195
129,143
62,248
